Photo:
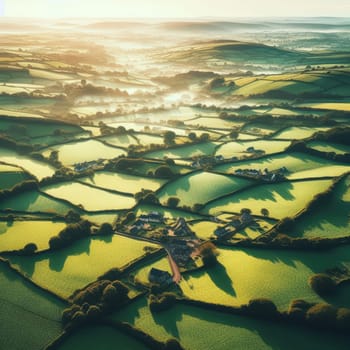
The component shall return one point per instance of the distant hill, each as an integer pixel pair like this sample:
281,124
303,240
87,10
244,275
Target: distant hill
234,51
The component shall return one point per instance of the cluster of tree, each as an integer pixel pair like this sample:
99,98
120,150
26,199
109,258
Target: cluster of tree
169,138
164,171
161,302
95,301
27,185
64,174
125,164
70,234
262,307
338,135
8,142
146,197
108,130
320,315
105,229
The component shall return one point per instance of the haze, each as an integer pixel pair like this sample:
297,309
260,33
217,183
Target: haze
174,9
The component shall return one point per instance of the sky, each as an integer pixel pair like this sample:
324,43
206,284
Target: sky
173,8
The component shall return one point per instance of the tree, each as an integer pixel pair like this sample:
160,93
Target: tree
322,315
30,248
169,137
105,229
322,284
164,171
173,202
53,157
343,318
262,307
208,253
264,212
204,137
192,136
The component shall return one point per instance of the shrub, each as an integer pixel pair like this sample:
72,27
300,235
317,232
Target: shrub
322,315
343,318
173,202
322,284
164,171
30,248
172,344
105,229
262,307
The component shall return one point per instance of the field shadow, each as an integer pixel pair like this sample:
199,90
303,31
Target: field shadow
221,279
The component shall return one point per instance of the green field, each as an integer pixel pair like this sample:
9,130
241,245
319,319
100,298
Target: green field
223,331
329,147
15,235
33,201
71,268
297,133
184,151
299,165
34,167
99,337
12,178
89,198
201,187
71,153
251,273
330,221
123,182
239,149
30,318
281,200
120,140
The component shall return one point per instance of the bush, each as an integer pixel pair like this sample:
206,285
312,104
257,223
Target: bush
262,307
162,302
30,248
173,202
322,315
173,344
343,318
164,171
322,284
105,229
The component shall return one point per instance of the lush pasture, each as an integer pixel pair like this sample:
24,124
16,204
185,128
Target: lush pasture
299,165
223,331
35,167
168,213
242,275
102,338
259,129
337,106
71,268
329,221
123,182
204,229
30,318
200,149
120,140
239,149
33,201
212,122
12,178
297,133
201,187
72,153
281,200
329,147
147,139
15,235
90,198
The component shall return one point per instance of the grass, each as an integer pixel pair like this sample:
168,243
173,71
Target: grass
207,148
329,147
242,275
32,201
330,221
204,229
71,268
238,149
89,198
34,167
201,187
299,165
15,235
30,318
198,328
297,133
281,200
124,183
100,337
10,179
93,150
120,140
336,106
